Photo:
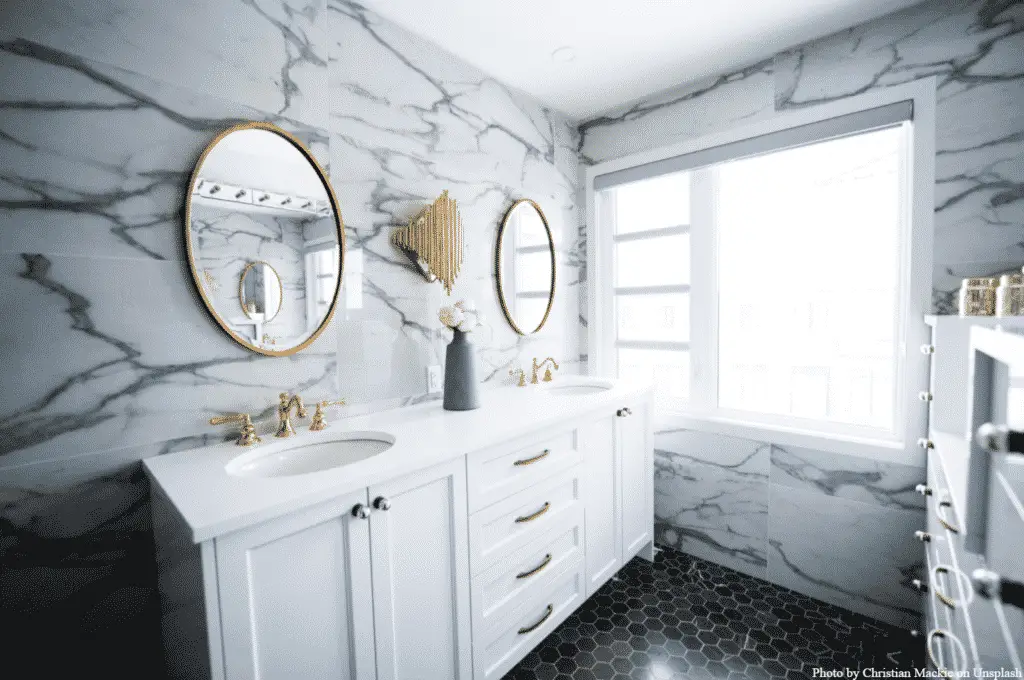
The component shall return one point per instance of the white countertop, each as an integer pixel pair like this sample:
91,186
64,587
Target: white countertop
213,502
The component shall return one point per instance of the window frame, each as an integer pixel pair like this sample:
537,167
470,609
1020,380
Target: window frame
915,280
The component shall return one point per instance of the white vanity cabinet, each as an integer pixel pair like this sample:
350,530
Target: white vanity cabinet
452,560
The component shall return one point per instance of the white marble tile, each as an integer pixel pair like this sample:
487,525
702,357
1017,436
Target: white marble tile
711,498
856,478
99,167
856,555
694,110
270,54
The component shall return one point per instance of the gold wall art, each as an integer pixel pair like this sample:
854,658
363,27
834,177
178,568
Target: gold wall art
433,240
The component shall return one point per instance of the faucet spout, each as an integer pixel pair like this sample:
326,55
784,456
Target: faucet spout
284,413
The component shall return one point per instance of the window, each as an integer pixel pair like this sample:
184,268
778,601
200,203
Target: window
764,281
322,281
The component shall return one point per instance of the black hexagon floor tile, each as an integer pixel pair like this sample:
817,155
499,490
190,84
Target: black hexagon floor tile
683,618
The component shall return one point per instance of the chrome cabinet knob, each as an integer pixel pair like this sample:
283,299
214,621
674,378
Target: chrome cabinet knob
923,489
925,443
922,536
623,412
360,511
925,396
927,349
999,439
381,503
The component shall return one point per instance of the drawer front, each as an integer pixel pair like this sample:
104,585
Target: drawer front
508,525
520,574
992,634
499,649
498,473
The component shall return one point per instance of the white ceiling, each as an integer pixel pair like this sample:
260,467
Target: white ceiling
625,49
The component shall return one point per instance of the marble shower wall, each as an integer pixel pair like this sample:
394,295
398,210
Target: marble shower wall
109,354
975,50
839,528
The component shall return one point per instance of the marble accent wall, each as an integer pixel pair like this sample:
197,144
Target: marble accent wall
836,527
109,355
976,52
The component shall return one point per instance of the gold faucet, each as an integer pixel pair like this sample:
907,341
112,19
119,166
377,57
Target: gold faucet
520,373
247,436
319,422
547,372
284,414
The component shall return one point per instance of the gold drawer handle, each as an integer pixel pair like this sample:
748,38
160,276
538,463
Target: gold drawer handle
530,518
528,574
547,615
531,461
940,633
940,513
945,599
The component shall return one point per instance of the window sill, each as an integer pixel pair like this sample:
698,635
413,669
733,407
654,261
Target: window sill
874,449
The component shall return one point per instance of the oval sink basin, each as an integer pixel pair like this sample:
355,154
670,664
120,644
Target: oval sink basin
577,389
312,457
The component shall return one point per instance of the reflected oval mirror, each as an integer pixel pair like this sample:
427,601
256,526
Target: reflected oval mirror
265,239
259,291
525,267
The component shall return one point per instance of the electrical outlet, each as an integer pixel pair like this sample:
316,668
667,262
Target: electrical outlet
433,379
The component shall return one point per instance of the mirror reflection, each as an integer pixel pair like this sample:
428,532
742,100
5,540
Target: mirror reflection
265,239
525,263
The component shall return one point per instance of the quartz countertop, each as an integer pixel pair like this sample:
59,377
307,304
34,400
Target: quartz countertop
213,502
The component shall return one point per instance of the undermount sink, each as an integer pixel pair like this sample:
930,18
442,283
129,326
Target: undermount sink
318,456
578,389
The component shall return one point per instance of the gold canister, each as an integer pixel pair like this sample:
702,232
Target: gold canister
978,297
1010,295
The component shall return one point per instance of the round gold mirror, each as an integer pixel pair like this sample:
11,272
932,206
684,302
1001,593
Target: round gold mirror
525,267
261,217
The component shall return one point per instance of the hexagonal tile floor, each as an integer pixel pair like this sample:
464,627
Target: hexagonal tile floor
685,618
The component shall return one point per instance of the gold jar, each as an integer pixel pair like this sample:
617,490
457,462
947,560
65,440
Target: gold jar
1010,295
978,297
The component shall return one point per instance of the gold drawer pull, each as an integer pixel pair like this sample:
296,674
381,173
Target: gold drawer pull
530,518
945,599
941,514
531,461
547,615
956,644
528,574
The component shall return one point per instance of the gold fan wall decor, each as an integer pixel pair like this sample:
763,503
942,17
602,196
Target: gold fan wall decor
433,240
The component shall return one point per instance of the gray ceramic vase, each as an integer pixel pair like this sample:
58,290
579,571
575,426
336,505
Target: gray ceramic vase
461,391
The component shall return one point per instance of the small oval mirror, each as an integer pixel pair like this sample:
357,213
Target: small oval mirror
261,218
525,267
259,291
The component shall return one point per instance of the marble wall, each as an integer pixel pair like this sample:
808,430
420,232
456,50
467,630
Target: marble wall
975,50
108,353
836,527
833,526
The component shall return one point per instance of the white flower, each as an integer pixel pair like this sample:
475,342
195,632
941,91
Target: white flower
469,322
451,317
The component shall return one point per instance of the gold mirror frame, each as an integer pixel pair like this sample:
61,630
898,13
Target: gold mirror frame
197,276
497,267
241,288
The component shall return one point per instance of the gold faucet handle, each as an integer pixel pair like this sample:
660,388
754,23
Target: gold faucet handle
247,435
319,422
518,372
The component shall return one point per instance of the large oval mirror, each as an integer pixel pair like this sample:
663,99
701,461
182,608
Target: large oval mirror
525,267
265,239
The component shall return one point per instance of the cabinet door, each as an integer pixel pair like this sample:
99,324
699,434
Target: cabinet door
295,596
636,456
601,488
419,545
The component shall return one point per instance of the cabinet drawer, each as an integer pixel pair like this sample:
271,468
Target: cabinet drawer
513,637
504,527
506,585
500,472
